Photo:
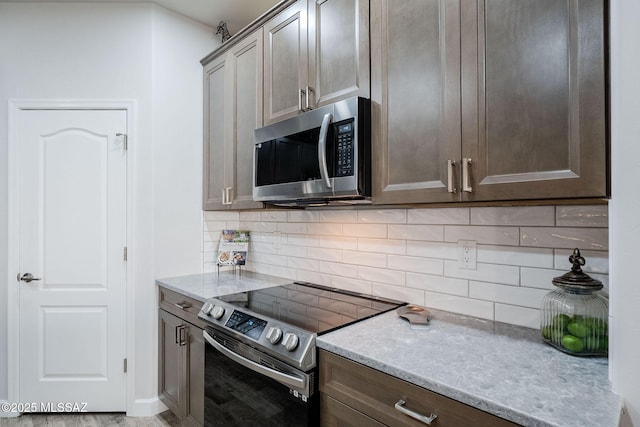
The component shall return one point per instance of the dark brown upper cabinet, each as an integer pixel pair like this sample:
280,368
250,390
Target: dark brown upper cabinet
488,100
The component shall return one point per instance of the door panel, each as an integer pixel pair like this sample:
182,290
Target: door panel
72,237
534,113
338,50
416,98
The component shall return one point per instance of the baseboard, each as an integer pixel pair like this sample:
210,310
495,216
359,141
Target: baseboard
146,408
4,413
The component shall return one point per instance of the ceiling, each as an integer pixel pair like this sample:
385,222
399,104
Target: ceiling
236,13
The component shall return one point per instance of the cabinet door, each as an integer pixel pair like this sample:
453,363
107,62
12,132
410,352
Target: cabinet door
415,92
285,63
533,78
245,61
216,130
171,371
194,404
338,50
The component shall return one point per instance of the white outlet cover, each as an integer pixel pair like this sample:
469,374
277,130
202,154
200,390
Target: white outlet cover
467,254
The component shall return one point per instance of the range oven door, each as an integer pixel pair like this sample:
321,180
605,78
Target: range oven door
245,387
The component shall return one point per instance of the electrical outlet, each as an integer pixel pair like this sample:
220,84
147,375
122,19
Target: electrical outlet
467,254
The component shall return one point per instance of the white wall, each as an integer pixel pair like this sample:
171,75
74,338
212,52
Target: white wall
119,51
625,204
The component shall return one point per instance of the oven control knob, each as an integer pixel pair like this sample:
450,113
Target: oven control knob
217,312
274,334
290,341
206,308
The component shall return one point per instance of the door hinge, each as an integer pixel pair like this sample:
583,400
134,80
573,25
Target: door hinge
125,142
125,366
124,254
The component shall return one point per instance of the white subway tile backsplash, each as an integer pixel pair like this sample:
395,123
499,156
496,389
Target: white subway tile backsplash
338,269
582,216
275,215
433,233
366,230
513,255
325,254
483,234
513,295
416,264
539,277
382,216
521,316
412,296
412,254
335,242
433,250
302,263
385,246
565,237
342,216
529,215
462,305
325,229
441,284
438,216
365,258
302,216
292,227
382,275
493,273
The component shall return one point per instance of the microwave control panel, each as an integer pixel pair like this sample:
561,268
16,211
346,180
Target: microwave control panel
344,152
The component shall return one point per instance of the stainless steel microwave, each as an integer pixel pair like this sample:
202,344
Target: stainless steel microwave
319,157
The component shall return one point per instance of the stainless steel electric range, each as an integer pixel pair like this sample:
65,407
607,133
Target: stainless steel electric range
260,357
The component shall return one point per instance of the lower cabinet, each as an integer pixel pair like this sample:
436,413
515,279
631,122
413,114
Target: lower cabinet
180,358
352,394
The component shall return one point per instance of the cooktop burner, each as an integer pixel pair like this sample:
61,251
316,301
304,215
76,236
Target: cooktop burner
283,321
315,308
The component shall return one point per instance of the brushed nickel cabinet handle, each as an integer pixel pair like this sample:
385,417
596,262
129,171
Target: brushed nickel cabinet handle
465,175
416,416
450,187
183,305
307,103
302,94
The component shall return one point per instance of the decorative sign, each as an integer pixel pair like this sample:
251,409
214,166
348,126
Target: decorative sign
233,247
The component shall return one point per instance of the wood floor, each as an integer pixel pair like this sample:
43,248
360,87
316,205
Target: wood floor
166,419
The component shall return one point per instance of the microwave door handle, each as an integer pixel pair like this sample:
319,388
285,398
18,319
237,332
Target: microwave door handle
322,149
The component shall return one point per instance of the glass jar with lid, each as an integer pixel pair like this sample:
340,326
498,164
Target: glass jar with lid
574,317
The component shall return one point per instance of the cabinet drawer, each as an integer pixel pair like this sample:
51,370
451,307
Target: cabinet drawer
336,414
375,394
180,305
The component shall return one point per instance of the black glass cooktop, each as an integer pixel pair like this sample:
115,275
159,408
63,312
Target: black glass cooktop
315,308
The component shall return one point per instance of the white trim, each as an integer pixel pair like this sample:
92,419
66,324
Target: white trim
13,325
146,407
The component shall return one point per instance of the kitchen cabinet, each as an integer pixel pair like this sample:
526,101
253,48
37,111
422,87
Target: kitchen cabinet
316,52
352,394
181,357
232,110
488,100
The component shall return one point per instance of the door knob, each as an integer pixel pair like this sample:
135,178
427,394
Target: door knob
27,277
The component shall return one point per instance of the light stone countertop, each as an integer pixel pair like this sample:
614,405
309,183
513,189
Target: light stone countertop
208,285
499,368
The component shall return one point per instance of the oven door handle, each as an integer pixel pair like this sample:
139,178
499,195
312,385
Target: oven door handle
282,378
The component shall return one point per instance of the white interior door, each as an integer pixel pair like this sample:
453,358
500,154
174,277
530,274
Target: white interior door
72,238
